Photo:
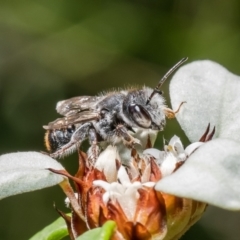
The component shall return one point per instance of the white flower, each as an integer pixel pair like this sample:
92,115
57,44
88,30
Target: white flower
212,173
110,190
173,155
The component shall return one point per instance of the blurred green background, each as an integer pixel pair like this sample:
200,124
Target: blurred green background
53,50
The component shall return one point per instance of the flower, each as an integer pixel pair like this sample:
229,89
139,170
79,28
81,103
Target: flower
211,174
109,190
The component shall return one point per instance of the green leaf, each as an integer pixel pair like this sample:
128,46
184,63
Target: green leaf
107,230
103,233
55,231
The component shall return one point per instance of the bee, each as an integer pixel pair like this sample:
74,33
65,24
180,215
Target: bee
112,118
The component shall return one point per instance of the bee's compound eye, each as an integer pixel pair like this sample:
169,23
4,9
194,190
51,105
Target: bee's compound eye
140,115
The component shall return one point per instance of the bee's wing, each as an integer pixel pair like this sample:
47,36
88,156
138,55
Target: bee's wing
78,118
76,105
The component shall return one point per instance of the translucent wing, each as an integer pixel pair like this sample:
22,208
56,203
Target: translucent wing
76,110
76,105
77,118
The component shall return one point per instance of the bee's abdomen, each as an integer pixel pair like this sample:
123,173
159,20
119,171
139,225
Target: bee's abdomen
56,138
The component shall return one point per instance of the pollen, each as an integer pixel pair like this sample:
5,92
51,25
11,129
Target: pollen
47,141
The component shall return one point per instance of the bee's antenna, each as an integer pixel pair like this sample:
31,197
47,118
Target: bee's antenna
156,89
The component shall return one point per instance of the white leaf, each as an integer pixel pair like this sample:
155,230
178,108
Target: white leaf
211,175
26,171
212,96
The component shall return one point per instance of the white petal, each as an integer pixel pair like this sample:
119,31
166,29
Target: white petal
103,184
192,147
149,184
157,154
26,171
212,96
117,187
137,185
211,175
168,165
176,145
132,170
106,197
128,200
106,162
123,176
142,136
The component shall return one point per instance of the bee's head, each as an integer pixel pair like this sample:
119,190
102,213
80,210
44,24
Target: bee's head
145,108
140,114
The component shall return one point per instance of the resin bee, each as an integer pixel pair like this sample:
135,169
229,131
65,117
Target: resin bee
112,118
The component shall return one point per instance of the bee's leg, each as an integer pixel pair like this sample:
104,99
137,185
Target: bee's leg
170,113
93,151
78,136
128,140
